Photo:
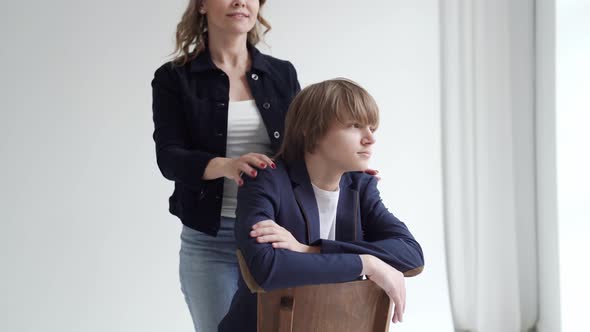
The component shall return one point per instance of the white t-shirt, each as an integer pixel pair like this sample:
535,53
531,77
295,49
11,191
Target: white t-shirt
327,206
246,133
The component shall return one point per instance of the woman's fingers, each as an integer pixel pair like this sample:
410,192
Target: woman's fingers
264,159
269,162
247,169
371,171
239,168
258,160
248,164
237,177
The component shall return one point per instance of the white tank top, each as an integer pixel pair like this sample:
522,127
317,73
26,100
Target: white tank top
245,133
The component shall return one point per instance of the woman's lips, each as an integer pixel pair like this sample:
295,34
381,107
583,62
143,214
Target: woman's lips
238,15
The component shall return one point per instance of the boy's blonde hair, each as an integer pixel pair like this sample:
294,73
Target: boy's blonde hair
313,110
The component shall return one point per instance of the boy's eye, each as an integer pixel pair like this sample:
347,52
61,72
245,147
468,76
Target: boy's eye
356,125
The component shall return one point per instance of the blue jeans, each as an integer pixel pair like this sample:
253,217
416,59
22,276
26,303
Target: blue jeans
208,274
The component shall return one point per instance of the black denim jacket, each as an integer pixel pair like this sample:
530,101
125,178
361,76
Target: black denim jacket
190,105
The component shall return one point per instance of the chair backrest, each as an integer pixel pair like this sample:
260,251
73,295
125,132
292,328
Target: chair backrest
359,306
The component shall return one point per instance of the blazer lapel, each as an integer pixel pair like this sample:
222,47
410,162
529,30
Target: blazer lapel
306,199
347,213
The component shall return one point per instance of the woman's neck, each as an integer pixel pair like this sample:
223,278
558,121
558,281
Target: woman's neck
228,51
321,173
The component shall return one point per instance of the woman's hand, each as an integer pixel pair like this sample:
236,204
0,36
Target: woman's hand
390,280
233,168
245,164
373,172
267,231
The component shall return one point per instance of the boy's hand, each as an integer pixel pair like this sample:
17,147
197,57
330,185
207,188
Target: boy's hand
267,231
390,280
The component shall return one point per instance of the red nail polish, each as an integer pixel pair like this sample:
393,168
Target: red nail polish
240,183
263,165
253,173
273,165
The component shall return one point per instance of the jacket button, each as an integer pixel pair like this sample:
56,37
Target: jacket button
220,134
277,134
266,105
220,104
255,77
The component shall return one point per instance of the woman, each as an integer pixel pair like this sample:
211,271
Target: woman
315,220
218,111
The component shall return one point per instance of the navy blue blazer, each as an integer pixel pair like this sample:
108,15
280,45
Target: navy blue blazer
285,195
190,105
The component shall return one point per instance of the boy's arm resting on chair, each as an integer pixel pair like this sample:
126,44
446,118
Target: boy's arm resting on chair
274,268
385,236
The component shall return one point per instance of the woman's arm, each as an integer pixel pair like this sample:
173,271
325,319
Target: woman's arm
176,160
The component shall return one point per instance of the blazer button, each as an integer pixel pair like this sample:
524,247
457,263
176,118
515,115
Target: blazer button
220,104
255,77
277,134
266,105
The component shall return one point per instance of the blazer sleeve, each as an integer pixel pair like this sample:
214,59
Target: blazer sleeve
259,199
385,236
176,160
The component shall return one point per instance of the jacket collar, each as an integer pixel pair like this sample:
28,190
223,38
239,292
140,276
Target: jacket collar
203,61
347,211
299,175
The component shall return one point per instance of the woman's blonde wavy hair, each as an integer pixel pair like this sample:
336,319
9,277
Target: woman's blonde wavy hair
191,32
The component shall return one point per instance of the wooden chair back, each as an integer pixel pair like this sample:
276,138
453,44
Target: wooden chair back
359,306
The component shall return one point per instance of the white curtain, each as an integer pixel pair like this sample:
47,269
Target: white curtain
488,65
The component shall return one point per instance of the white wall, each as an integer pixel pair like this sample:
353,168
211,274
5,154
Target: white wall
573,159
86,242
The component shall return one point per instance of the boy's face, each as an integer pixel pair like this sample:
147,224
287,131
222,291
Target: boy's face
346,146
